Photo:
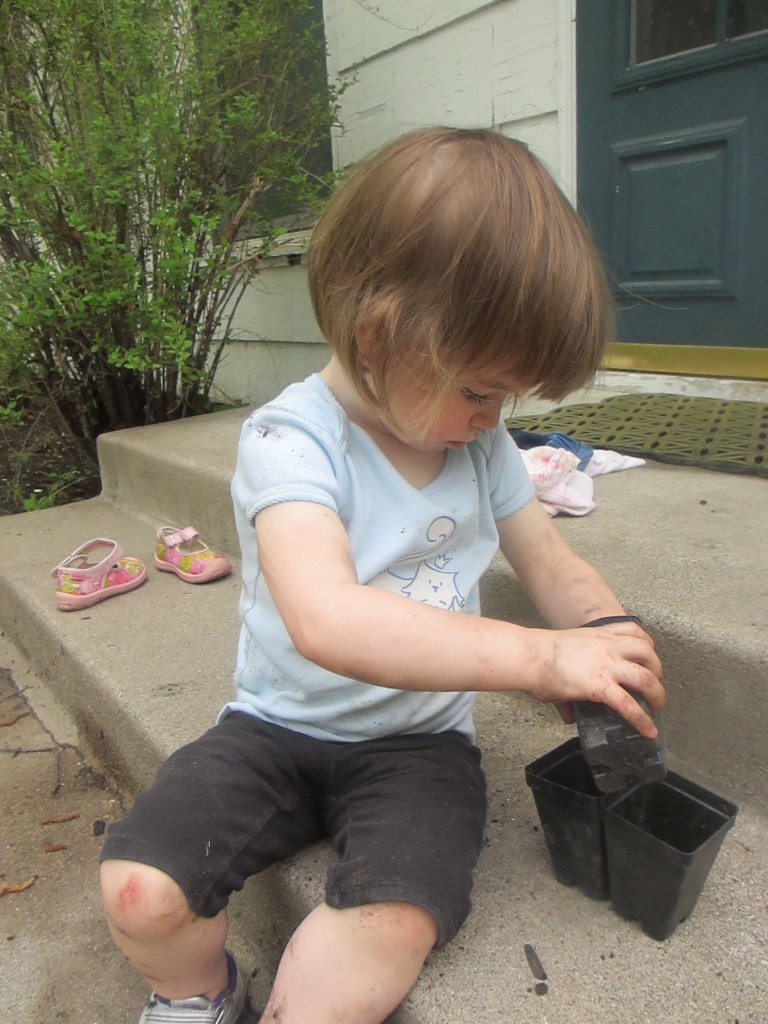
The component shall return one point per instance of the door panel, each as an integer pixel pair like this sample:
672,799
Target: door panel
677,211
673,151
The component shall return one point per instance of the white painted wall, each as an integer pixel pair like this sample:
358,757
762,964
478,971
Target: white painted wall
507,64
275,339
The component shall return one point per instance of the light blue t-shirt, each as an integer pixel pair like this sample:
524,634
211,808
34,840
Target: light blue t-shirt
430,544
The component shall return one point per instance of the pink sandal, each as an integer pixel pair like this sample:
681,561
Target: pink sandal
185,553
95,571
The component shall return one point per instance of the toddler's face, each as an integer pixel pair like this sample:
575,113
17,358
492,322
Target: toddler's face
471,405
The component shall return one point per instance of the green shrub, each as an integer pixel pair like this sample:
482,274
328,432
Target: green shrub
140,142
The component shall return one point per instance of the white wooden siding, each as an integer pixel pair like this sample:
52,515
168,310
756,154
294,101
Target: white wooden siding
504,64
507,64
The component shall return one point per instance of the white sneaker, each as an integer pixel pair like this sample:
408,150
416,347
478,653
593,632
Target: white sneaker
226,1009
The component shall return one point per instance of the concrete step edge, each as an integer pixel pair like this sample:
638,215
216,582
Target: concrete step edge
95,662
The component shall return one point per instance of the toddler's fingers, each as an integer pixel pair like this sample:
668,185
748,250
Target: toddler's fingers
623,700
648,683
632,643
629,708
566,711
640,652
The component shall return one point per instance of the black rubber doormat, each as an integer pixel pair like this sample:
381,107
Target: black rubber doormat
705,432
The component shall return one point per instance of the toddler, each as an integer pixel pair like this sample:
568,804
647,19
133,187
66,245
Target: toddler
448,274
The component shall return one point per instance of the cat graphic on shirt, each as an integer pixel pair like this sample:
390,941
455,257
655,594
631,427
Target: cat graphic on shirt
432,582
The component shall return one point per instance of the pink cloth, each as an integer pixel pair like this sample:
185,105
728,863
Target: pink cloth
560,486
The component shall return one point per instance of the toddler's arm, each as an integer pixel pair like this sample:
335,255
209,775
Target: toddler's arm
389,640
567,590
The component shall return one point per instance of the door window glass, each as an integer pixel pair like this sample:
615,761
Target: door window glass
661,28
746,17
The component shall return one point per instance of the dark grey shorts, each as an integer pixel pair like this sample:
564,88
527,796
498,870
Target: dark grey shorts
404,813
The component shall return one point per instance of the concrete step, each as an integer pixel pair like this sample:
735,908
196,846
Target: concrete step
174,472
145,673
682,548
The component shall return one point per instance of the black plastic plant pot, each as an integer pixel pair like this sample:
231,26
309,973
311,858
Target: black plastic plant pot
662,839
570,811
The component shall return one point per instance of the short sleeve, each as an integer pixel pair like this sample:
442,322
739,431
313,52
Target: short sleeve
510,485
283,457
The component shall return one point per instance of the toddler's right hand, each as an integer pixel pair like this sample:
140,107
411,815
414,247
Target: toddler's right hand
601,664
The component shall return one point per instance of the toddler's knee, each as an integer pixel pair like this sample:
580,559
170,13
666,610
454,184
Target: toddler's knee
404,927
141,900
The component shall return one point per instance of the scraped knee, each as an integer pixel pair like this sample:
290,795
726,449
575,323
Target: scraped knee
141,901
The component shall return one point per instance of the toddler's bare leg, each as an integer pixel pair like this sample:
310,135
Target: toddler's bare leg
352,966
178,953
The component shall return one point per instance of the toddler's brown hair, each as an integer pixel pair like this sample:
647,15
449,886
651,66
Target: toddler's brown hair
455,250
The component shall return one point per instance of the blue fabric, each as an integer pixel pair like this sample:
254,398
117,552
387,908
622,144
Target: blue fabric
580,448
431,545
526,439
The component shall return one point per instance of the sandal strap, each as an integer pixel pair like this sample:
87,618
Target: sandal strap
92,571
172,538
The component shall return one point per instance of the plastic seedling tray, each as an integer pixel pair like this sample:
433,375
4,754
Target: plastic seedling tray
662,840
616,753
570,810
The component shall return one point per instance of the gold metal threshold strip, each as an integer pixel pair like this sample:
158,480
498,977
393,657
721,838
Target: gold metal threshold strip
694,360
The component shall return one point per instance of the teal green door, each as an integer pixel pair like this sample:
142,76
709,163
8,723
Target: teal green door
673,164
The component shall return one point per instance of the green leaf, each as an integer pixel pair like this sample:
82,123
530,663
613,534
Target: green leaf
131,133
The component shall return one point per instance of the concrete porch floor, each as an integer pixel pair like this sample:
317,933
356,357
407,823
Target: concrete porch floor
130,679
